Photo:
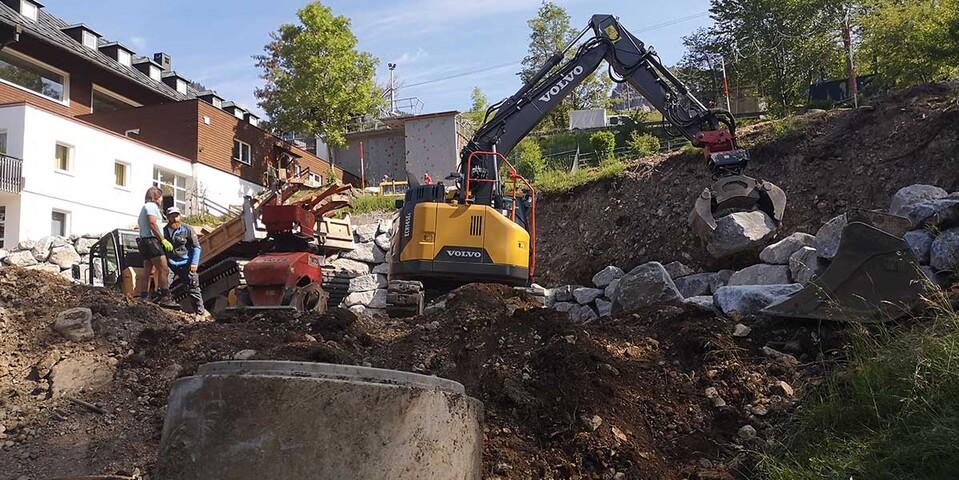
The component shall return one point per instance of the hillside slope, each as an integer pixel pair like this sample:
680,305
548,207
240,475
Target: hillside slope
827,163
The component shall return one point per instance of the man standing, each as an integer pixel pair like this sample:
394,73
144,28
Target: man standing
152,246
184,256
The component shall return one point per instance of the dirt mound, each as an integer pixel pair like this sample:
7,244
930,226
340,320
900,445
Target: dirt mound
827,163
563,400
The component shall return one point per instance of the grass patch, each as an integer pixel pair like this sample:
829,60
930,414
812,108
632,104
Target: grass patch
558,181
203,219
891,413
373,203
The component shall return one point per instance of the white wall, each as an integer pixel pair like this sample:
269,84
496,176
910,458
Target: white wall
87,192
223,188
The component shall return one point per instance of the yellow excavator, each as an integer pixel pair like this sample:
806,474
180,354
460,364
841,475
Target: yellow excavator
478,231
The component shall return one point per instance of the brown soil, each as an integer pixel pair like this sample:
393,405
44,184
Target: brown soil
826,162
562,400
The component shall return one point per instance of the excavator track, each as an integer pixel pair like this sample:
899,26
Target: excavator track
405,298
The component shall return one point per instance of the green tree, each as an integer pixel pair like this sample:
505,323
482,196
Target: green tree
315,79
527,156
781,46
604,144
643,144
477,112
550,33
907,42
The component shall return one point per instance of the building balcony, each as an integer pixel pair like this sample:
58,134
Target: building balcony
11,174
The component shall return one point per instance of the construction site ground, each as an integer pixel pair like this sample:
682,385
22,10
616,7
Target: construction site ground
627,397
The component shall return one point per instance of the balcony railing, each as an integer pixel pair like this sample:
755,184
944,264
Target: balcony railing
11,174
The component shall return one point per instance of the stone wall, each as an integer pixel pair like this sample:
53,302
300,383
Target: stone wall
366,268
53,254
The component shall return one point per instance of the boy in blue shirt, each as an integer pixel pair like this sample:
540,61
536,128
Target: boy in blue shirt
184,256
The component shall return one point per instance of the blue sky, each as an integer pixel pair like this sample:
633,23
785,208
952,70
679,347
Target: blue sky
212,41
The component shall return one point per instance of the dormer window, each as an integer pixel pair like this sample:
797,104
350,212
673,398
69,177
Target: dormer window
176,82
211,97
30,9
149,67
253,119
121,54
85,35
90,40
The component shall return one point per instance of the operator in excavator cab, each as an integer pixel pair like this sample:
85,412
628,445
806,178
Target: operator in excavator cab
183,257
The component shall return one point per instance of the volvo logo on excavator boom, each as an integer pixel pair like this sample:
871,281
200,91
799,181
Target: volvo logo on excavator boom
560,85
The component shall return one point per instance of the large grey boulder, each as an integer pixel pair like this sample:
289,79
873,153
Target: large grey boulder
828,236
678,269
564,306
610,291
383,241
23,258
606,276
720,279
761,274
41,251
359,298
45,267
604,307
64,257
739,232
75,324
914,194
385,226
582,313
744,300
366,283
378,301
586,295
365,233
25,245
647,284
805,265
944,254
344,267
779,252
362,252
942,212
705,302
920,242
694,285
382,269
83,244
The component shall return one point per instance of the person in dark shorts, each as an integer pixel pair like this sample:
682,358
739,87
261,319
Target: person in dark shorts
184,258
153,248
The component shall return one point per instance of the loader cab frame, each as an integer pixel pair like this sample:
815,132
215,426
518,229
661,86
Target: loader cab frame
112,256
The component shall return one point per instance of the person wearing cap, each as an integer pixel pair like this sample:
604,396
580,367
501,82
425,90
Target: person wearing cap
184,256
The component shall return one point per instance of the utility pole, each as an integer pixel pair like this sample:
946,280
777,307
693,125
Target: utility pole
392,67
729,107
847,39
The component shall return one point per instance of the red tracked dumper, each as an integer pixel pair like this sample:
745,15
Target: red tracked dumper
288,275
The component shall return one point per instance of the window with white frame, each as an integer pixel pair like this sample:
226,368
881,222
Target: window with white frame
59,223
63,157
3,142
23,72
171,184
29,9
242,152
124,57
121,174
89,40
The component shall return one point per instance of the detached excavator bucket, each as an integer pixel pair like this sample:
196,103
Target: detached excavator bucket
874,277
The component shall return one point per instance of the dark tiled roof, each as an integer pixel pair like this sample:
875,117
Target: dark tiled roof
49,28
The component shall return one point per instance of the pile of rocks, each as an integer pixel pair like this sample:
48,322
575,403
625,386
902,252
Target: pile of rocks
786,266
364,269
53,254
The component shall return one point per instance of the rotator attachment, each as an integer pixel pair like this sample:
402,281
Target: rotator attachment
735,193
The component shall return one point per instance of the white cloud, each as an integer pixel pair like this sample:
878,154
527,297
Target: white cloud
428,16
410,58
138,43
